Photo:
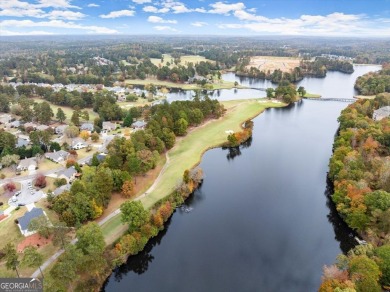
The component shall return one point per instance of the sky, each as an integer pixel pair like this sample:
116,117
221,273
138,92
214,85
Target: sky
338,18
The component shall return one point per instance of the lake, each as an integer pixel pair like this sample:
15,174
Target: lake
262,219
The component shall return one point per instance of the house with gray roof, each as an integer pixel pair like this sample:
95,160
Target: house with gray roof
29,164
381,113
25,220
21,142
69,174
5,118
59,130
108,126
57,156
42,127
87,127
58,191
139,125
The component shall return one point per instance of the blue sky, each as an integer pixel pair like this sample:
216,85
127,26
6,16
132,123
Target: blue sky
363,18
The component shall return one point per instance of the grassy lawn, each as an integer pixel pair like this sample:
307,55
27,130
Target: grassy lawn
312,95
217,85
189,150
113,229
67,110
9,231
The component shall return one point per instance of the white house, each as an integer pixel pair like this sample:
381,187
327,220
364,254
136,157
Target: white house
25,220
78,143
29,164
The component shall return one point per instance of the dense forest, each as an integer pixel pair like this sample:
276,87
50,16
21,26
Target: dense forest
360,171
68,60
374,82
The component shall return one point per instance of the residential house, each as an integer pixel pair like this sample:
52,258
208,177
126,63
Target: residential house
59,130
5,119
69,174
139,125
25,220
29,164
78,143
21,142
30,125
108,126
14,124
57,156
61,189
42,127
381,113
87,127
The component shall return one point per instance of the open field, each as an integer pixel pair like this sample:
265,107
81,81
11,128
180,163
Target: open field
365,96
184,60
188,151
217,85
67,110
265,63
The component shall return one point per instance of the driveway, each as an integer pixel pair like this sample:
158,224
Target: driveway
27,195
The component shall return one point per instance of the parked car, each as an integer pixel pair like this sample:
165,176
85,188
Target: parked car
14,199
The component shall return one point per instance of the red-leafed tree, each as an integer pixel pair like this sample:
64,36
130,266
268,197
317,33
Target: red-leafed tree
10,186
40,181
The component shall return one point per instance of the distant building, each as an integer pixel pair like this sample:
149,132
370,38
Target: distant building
57,156
21,142
59,130
5,119
29,164
383,112
61,189
25,220
87,127
78,143
108,126
69,174
42,127
139,125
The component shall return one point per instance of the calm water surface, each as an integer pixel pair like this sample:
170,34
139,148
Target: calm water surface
262,220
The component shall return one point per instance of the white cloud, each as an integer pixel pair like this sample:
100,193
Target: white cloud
334,24
93,5
17,12
156,19
223,8
153,9
4,32
60,24
119,13
164,28
67,15
142,1
56,4
199,23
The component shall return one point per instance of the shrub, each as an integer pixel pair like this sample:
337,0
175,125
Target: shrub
60,182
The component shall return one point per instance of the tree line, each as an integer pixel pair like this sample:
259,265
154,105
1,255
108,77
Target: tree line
360,171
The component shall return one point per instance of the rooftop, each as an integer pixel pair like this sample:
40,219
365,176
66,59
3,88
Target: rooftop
25,220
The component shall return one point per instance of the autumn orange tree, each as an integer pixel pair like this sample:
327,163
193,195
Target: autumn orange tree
128,190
